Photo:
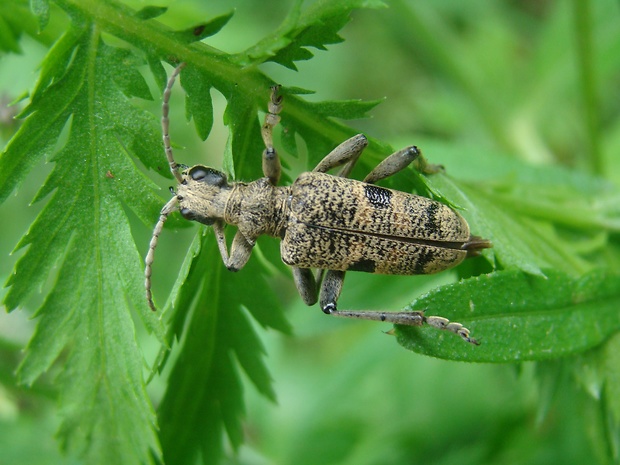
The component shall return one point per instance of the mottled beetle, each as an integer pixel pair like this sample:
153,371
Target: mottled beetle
326,222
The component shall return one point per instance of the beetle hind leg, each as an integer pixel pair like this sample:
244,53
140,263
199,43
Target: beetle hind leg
330,291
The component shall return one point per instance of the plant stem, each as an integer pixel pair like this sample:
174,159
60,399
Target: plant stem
588,83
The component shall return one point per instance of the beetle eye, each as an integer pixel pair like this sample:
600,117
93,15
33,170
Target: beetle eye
187,213
208,176
190,215
198,173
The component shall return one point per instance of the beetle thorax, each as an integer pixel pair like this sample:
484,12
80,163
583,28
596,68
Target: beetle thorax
257,208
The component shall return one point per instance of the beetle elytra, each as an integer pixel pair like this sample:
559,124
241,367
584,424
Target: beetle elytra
325,222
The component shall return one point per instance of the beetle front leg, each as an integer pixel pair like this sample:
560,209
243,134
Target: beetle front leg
271,161
330,291
240,250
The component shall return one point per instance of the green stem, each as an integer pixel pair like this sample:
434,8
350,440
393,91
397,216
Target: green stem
588,82
225,75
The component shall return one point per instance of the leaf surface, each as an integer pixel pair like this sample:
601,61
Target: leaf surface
517,316
82,239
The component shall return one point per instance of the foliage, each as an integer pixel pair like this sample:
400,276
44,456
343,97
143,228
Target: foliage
542,187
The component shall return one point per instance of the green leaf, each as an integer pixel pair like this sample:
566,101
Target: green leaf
198,102
519,317
345,109
84,232
201,31
201,403
316,27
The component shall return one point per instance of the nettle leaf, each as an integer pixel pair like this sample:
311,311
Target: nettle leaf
83,231
205,396
517,316
315,27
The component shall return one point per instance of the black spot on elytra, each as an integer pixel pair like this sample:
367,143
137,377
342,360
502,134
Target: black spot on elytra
425,256
378,196
431,223
363,265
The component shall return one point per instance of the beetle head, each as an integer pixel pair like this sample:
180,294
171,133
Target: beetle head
202,194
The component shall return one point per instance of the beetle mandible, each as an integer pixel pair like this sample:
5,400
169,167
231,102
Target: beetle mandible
325,222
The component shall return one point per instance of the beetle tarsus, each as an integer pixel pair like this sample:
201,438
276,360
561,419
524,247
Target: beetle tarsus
409,318
445,324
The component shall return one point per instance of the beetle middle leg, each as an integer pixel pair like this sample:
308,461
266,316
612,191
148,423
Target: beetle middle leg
346,154
393,164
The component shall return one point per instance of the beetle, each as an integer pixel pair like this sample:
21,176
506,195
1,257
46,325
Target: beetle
325,222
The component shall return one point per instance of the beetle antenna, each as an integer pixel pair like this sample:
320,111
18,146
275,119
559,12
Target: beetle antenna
165,123
150,256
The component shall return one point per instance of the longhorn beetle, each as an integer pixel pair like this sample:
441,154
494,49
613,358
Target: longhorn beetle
325,222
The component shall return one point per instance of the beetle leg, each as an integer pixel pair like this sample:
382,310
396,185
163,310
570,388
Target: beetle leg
346,154
306,285
271,162
393,164
330,291
220,237
240,250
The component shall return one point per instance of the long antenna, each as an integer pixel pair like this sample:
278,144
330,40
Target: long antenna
165,123
150,256
172,203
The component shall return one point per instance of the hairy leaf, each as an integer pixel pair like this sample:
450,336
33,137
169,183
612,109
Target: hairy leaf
84,231
519,317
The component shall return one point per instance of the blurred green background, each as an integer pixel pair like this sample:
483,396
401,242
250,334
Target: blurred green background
498,77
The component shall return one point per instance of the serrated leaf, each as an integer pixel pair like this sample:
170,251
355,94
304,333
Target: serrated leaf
520,317
202,403
315,27
84,231
127,77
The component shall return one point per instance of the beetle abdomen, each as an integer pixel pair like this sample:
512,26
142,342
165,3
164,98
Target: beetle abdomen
342,224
